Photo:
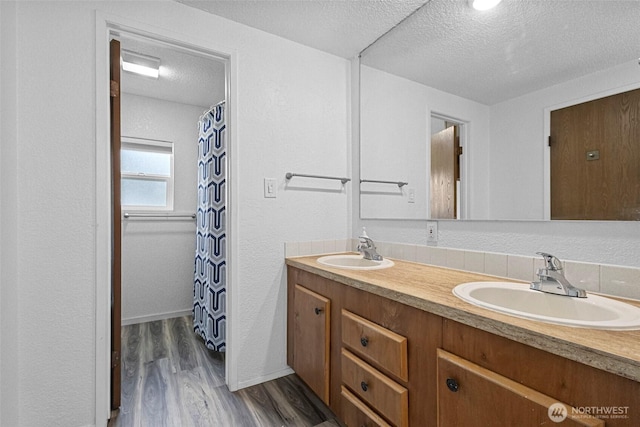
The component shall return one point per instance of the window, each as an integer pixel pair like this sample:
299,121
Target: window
147,174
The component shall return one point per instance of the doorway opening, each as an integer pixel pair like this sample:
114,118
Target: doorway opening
160,120
446,168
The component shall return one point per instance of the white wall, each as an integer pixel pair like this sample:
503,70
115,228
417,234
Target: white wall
292,105
394,140
519,139
395,135
157,255
9,336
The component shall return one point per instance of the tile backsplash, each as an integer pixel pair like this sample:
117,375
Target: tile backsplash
600,278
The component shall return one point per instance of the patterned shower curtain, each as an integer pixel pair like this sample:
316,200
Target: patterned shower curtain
209,289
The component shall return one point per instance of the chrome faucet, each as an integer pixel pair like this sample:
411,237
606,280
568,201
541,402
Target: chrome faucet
367,248
552,280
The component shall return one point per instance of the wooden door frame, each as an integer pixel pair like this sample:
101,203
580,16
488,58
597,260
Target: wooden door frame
547,133
110,26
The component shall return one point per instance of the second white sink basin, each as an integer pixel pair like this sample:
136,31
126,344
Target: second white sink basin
518,300
354,262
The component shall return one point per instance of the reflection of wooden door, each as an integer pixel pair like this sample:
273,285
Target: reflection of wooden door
595,159
444,173
311,335
116,226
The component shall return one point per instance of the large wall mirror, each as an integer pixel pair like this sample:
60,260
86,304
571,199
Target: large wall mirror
491,79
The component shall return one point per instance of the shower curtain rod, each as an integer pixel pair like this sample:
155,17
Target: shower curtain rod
212,107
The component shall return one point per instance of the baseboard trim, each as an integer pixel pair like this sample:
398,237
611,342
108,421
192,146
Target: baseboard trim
272,376
153,317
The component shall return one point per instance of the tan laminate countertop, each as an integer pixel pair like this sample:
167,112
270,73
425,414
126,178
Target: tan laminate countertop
429,288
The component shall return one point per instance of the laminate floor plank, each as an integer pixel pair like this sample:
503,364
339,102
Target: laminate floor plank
156,345
294,408
169,378
173,396
129,397
198,406
213,362
235,409
310,397
153,405
184,351
261,406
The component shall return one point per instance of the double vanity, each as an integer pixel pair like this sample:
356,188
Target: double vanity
393,346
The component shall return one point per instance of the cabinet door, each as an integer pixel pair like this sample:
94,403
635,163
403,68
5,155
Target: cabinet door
470,395
312,313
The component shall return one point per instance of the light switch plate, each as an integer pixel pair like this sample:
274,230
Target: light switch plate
412,195
270,188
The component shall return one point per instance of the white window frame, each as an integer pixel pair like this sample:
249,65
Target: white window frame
157,146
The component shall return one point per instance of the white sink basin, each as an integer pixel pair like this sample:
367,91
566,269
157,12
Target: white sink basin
518,300
354,262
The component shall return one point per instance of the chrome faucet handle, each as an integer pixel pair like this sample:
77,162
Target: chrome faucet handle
365,243
553,263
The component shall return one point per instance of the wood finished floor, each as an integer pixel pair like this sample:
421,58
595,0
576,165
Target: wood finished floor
169,378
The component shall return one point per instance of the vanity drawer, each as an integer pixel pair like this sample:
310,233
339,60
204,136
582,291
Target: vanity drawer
376,344
356,414
379,391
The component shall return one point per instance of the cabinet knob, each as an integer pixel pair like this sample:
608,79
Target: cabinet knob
452,384
364,386
364,341
319,310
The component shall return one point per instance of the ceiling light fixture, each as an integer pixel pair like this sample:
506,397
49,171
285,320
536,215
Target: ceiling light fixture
140,64
483,4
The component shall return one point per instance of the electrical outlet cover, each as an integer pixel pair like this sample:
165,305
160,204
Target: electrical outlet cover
432,232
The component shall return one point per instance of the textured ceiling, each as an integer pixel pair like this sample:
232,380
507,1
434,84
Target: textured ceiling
340,27
491,56
185,77
516,48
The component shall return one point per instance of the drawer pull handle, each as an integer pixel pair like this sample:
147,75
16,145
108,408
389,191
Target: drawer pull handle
364,386
364,341
319,310
452,384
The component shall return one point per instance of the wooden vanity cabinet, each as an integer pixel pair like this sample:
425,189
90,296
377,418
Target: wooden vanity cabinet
409,354
399,355
489,368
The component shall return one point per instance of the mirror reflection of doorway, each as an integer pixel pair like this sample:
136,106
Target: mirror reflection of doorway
444,200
